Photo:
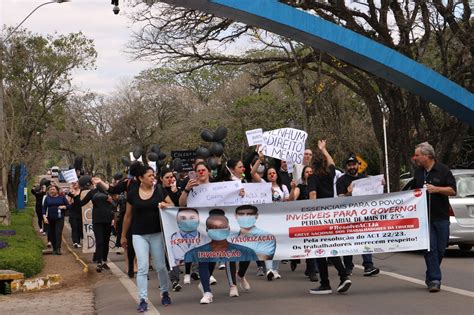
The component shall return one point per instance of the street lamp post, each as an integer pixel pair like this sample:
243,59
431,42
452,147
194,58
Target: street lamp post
3,162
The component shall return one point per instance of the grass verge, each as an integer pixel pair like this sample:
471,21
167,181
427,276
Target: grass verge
24,250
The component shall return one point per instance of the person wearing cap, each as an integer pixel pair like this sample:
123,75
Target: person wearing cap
344,188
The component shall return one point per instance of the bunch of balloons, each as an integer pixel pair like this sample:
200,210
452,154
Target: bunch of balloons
216,148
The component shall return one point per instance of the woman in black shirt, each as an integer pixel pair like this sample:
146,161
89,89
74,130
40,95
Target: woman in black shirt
144,204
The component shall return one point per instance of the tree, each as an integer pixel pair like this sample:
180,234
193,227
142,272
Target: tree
37,74
418,29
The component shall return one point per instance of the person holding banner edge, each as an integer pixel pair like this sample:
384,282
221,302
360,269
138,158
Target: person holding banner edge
440,184
321,185
344,188
279,193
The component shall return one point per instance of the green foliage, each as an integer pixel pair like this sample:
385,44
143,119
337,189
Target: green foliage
24,251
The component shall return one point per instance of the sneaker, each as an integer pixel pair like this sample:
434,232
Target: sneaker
165,299
187,279
371,271
48,245
98,268
221,266
349,272
212,280
44,233
344,285
313,277
260,272
195,276
233,292
434,287
270,275
74,245
142,306
41,231
105,266
176,287
206,298
243,283
79,245
321,290
276,274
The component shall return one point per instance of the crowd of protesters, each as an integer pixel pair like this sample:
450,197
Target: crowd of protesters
131,206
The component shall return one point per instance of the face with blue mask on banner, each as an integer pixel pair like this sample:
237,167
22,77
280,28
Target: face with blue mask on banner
246,216
187,219
218,227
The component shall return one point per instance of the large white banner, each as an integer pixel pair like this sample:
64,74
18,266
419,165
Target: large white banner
287,144
300,229
228,194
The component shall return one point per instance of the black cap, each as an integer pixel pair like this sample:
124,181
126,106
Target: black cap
118,176
85,180
352,159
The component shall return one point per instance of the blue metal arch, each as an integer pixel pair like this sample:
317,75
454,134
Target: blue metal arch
346,45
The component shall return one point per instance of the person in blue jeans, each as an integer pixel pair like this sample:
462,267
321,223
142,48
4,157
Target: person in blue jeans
144,204
344,188
440,184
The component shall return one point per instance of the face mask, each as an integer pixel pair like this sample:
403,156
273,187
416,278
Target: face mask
260,169
188,225
246,221
218,234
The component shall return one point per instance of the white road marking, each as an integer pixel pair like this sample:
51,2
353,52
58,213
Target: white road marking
130,286
422,282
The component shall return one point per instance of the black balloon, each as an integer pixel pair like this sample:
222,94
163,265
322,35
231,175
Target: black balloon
161,156
177,165
222,142
207,135
137,152
125,161
212,163
202,152
220,134
155,148
152,156
78,162
216,148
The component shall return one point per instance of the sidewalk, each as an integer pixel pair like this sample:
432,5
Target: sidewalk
75,294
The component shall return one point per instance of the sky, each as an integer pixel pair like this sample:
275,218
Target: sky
96,20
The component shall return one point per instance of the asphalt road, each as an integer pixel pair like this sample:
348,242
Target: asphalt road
399,289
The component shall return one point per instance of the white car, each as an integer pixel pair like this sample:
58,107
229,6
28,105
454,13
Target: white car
55,171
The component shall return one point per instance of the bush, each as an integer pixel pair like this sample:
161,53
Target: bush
24,251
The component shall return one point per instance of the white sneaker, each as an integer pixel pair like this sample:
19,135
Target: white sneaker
222,266
41,230
243,283
49,245
212,280
187,279
276,274
206,298
270,275
74,245
79,245
233,292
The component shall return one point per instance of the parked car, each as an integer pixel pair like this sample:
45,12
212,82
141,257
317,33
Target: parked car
55,171
461,214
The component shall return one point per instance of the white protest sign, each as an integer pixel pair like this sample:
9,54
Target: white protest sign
372,185
327,227
70,176
228,193
285,144
152,164
254,136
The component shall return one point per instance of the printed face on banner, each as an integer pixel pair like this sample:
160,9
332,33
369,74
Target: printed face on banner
306,229
286,144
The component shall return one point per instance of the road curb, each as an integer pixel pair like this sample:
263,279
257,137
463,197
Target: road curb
36,284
